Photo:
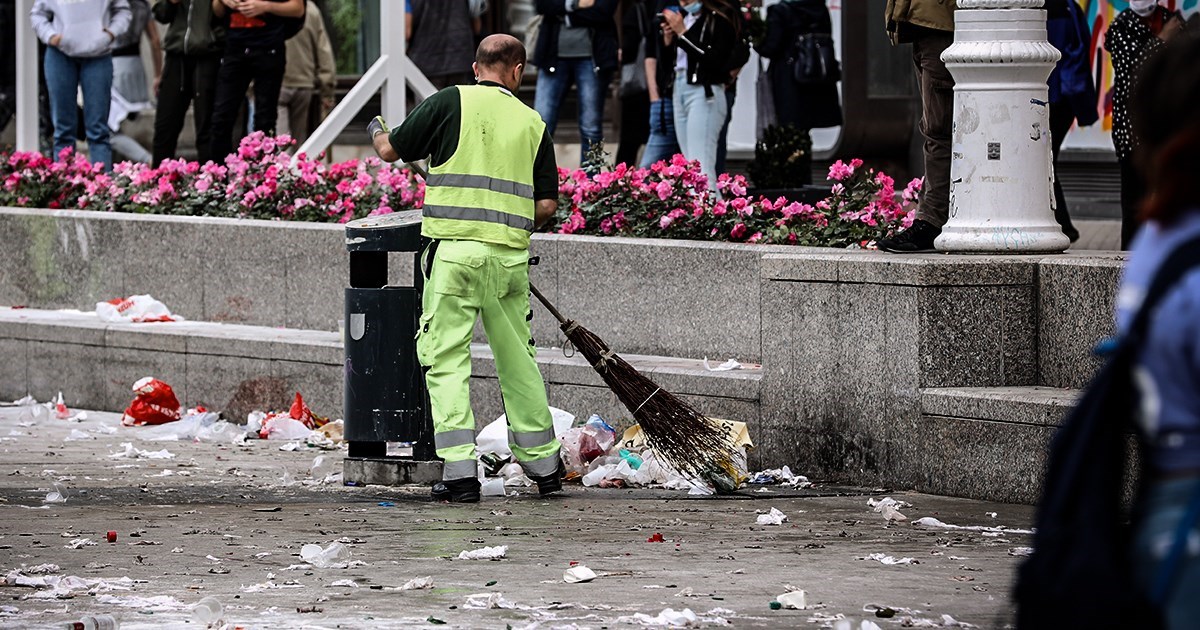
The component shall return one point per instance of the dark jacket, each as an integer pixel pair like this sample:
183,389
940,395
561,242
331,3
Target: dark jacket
1071,81
808,106
712,49
599,17
192,28
636,24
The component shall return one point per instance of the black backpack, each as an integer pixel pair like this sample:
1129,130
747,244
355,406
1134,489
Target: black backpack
1080,574
814,60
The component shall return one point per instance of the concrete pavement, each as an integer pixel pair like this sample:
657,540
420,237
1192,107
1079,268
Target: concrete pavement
229,521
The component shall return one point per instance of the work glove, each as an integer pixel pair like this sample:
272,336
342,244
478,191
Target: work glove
376,127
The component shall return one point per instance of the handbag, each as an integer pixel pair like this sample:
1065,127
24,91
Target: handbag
814,60
765,101
633,75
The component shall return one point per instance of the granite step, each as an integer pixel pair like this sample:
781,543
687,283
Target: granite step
985,442
237,367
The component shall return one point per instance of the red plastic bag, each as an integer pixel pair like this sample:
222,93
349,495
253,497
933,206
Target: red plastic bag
154,402
301,412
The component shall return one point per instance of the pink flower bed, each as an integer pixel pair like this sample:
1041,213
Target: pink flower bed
671,199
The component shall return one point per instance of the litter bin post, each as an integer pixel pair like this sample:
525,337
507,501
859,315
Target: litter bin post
388,427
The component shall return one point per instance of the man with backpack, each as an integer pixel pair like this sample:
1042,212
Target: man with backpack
254,52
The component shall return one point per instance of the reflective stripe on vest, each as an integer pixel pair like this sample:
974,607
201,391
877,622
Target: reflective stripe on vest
482,182
484,192
478,214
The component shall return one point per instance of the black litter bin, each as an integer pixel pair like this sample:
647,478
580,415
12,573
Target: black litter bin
386,405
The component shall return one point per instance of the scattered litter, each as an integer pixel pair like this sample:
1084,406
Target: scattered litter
129,452
775,517
991,514
846,624
41,569
493,487
671,618
346,583
208,611
156,603
486,601
77,435
415,584
135,309
890,560
929,521
794,600
485,553
656,538
326,469
80,543
783,476
60,408
889,508
946,621
197,424
887,612
1020,552
57,496
270,585
577,574
335,556
154,402
727,366
292,446
297,423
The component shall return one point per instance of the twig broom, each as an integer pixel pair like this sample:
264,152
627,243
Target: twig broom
674,429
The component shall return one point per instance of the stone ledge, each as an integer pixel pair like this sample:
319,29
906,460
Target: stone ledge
921,270
1037,406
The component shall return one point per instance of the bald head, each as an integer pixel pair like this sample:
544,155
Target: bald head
500,53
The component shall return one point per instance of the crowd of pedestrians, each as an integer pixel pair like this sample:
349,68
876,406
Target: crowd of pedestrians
268,65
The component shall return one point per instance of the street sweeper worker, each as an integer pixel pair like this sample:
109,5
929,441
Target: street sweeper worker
492,181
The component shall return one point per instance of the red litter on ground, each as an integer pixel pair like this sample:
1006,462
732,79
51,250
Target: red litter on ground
154,402
112,536
657,537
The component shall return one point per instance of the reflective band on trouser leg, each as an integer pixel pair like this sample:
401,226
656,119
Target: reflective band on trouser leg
504,311
444,347
460,469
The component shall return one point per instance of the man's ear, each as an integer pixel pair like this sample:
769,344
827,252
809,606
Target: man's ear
475,69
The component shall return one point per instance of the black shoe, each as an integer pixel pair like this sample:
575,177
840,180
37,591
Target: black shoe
551,483
916,239
456,491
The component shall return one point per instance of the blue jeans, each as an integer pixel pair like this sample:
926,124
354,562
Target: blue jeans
722,150
1161,509
94,76
698,122
593,86
662,144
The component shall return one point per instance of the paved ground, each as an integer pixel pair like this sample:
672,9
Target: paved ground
229,522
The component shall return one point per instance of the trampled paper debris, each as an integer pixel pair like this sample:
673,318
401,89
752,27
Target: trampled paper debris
80,543
416,584
890,560
846,624
889,508
774,517
335,556
931,522
794,600
130,452
485,601
345,583
485,553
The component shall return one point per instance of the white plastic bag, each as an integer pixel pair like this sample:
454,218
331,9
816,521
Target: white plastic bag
135,308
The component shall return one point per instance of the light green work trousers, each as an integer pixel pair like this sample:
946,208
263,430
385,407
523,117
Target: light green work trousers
470,279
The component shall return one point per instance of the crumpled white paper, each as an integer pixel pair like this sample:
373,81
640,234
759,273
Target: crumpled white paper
485,553
775,517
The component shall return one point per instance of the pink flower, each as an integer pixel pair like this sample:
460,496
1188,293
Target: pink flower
738,231
663,189
665,222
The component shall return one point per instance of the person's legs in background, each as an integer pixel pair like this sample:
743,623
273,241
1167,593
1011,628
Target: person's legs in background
62,82
268,80
203,77
680,113
174,96
593,91
722,149
700,127
237,70
1061,119
635,127
937,122
551,87
294,109
1133,190
662,143
95,81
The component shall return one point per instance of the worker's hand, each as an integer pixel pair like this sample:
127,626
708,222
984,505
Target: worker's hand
55,40
586,4
376,127
157,82
232,5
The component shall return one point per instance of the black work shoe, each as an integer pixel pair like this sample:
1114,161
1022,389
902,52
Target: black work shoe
551,483
456,491
916,239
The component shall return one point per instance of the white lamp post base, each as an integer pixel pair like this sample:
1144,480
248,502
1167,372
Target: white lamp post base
1001,193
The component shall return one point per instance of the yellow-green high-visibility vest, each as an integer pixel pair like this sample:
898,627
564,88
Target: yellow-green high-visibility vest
484,192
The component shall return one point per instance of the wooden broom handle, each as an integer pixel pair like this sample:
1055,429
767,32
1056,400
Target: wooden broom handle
550,307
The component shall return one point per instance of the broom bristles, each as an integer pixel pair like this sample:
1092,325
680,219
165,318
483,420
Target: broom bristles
674,429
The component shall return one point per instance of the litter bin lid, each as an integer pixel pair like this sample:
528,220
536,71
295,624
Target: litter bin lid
395,232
